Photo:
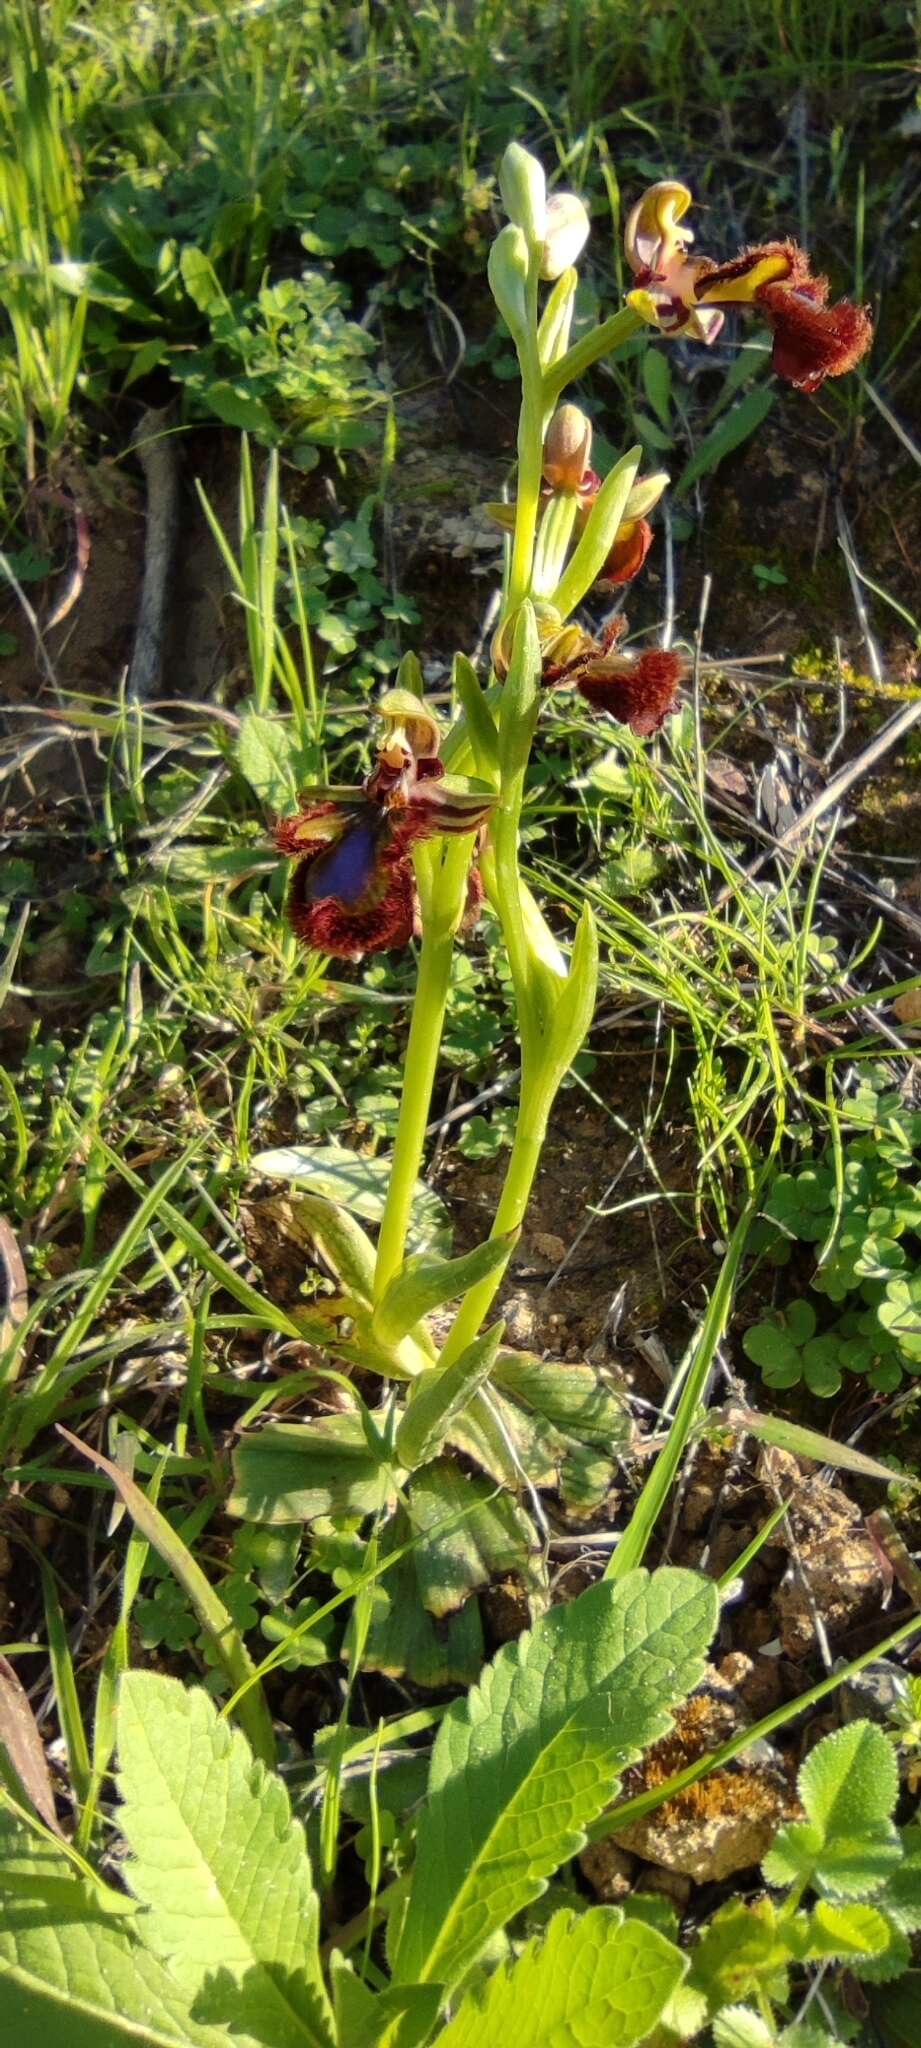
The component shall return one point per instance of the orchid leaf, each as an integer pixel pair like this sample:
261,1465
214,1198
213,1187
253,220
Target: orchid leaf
292,1472
358,1184
534,1752
596,1980
424,1283
440,1394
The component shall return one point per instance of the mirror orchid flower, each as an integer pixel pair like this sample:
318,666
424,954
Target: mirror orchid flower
681,294
353,888
639,690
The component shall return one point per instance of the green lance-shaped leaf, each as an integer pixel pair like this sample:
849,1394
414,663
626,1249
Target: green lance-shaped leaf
70,1973
575,1003
599,536
218,1624
847,1844
520,700
595,1981
423,1283
440,1395
736,426
481,725
220,1865
532,1755
295,1471
507,270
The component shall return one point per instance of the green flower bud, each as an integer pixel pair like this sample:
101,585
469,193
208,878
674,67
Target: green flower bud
508,279
524,191
565,234
646,493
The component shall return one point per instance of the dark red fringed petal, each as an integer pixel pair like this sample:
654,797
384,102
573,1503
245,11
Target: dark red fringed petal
813,341
328,926
640,693
628,553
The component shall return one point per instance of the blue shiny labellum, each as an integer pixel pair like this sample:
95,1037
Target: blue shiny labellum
346,870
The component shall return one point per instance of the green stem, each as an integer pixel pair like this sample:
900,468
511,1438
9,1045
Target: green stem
619,328
441,916
530,1132
530,456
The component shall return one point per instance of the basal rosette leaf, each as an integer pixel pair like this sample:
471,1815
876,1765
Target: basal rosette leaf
596,1980
533,1754
220,1865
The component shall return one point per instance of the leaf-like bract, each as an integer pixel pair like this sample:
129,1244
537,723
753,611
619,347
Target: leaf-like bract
595,1981
425,1281
221,1866
532,1755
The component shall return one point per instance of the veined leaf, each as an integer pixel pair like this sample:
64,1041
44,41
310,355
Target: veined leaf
294,1471
75,1976
357,1184
595,1981
424,1283
221,1866
532,1755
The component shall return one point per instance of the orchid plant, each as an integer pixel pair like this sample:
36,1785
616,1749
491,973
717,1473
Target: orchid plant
436,824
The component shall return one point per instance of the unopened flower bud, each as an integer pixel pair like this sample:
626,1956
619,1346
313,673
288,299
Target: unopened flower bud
567,448
524,191
645,494
565,235
508,278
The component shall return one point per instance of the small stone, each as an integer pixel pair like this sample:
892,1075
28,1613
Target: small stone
608,1869
670,1884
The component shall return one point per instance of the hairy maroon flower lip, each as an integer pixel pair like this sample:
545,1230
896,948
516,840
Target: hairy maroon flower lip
353,888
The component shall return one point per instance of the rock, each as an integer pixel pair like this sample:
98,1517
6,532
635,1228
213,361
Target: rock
608,1869
727,1821
669,1884
834,1569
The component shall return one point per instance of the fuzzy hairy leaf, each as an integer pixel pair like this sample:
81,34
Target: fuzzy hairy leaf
739,2027
221,1866
532,1755
595,1981
847,1845
75,1978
